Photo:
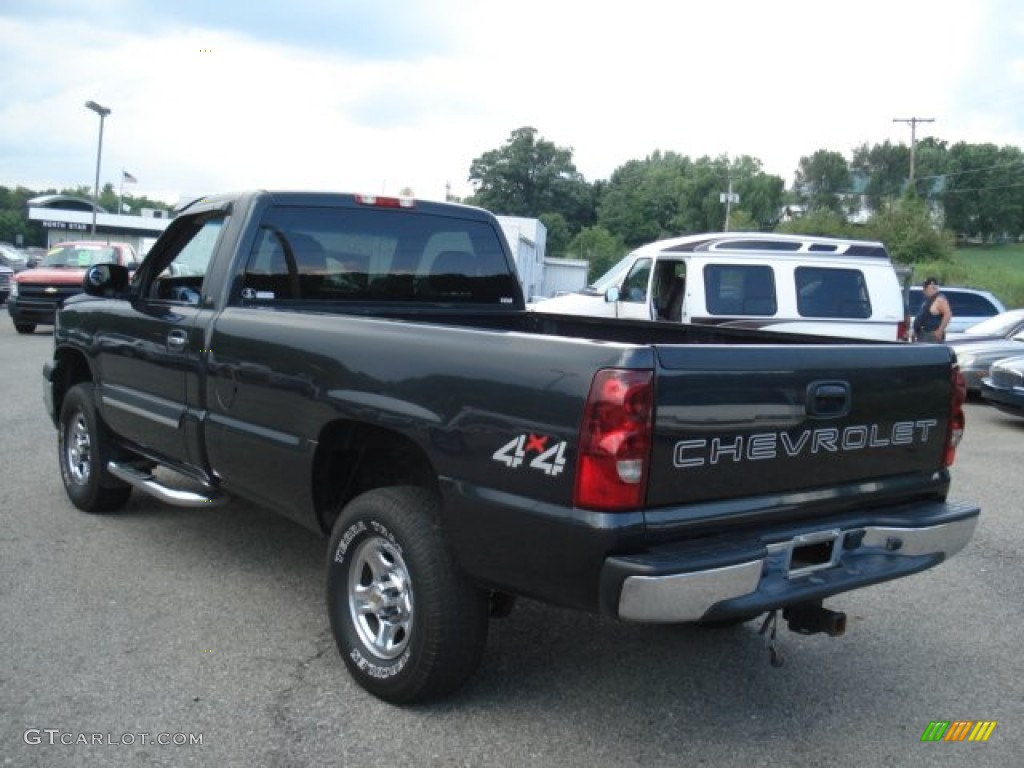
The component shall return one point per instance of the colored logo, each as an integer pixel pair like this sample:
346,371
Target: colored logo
958,730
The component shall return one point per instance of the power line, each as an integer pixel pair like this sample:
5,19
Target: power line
973,170
981,189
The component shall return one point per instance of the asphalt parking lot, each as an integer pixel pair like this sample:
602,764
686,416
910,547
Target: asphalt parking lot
165,624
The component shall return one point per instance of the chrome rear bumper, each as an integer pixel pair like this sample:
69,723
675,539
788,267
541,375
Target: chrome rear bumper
805,566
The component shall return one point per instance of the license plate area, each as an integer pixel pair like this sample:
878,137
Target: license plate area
813,552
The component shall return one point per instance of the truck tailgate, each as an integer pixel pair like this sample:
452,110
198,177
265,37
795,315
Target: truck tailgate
747,421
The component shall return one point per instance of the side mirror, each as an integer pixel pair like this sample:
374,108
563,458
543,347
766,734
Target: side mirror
612,294
105,280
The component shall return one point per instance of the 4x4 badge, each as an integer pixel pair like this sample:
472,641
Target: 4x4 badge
551,460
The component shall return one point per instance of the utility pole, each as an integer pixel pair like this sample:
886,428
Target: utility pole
728,198
913,121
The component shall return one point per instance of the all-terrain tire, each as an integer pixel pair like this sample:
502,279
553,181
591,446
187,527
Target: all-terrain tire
408,622
84,448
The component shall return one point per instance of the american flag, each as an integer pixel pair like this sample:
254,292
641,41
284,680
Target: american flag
128,178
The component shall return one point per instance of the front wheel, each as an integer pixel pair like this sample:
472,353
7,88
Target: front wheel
84,449
25,328
408,623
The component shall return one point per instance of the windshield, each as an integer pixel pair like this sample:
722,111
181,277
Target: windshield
613,277
79,256
11,256
1000,325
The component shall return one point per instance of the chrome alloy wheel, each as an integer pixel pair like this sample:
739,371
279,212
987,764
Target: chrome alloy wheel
380,598
78,449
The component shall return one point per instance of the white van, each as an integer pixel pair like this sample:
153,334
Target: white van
792,283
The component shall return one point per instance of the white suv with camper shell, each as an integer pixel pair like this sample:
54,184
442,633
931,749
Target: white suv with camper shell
790,283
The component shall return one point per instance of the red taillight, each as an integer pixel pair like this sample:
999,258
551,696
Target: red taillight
615,441
956,417
386,202
903,330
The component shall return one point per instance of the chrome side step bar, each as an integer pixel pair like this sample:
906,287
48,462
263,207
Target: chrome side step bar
147,483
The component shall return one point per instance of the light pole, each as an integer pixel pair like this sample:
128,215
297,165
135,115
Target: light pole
102,112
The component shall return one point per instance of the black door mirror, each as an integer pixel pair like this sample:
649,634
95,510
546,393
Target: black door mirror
106,280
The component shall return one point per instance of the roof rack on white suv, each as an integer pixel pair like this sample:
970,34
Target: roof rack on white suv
771,242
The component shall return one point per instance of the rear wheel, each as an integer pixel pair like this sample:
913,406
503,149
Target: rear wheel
25,327
408,623
84,448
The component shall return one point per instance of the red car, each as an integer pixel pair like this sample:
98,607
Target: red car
37,293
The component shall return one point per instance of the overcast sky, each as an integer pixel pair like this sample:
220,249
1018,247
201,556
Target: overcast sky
377,96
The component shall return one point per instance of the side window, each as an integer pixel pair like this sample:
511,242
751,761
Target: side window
915,300
634,287
970,305
825,292
182,269
739,289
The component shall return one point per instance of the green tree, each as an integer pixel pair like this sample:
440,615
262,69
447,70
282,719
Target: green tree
741,221
885,168
931,161
108,198
761,194
558,234
13,225
641,201
700,207
982,196
14,221
83,191
599,247
667,194
907,229
821,179
821,222
530,176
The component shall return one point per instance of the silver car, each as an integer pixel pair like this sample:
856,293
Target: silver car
969,305
976,357
1001,326
1004,386
6,276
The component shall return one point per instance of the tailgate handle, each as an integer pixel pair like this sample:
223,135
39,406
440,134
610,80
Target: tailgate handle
829,399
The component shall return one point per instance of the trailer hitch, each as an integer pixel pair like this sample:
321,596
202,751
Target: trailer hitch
812,618
803,618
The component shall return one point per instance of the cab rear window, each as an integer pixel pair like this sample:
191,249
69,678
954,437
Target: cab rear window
376,255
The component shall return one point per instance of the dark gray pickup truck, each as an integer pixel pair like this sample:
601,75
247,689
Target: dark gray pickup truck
366,366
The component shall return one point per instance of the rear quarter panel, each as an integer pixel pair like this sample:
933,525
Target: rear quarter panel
277,378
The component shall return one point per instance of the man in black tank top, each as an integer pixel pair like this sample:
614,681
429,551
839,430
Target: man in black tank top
934,315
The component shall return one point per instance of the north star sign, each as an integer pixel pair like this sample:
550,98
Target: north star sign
64,225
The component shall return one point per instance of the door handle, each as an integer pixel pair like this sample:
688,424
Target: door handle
176,340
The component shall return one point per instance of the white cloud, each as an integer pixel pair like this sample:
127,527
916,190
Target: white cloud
201,109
